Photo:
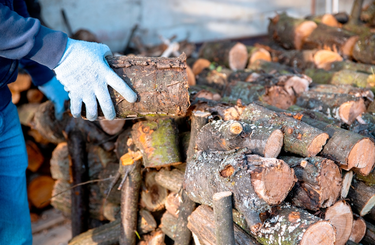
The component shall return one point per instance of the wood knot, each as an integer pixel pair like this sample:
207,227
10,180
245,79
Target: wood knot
294,216
290,130
227,171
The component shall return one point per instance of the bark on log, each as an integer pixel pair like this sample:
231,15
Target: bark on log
146,222
362,197
289,32
340,106
216,78
224,231
202,224
299,138
264,140
343,89
370,234
160,83
358,229
230,54
171,180
158,142
121,145
327,19
352,66
169,225
340,216
295,226
213,172
154,196
271,67
129,202
187,206
319,182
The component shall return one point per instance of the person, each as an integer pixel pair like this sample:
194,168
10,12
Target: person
62,68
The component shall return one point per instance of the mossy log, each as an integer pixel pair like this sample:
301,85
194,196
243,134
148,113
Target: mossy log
340,215
344,107
319,182
160,83
216,171
352,66
229,54
358,229
362,198
363,50
299,138
264,140
158,142
154,196
289,32
202,224
171,180
290,225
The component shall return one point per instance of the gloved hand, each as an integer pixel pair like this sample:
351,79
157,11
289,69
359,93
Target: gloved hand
85,75
55,92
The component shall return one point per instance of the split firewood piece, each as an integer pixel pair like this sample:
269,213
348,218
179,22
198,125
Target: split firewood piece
104,234
362,50
224,228
350,149
362,197
299,138
183,234
262,139
296,226
144,75
215,78
172,203
22,83
217,171
190,76
123,142
258,53
60,162
129,198
202,224
34,95
146,222
344,107
169,224
154,196
358,229
340,215
199,65
112,127
347,178
230,54
171,180
365,93
319,182
158,142
39,190
155,238
34,156
289,32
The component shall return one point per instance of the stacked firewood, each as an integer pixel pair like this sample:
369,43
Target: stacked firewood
266,144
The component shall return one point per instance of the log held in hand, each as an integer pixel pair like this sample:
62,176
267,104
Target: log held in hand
160,83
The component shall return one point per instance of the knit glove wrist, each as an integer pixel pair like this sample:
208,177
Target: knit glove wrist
55,92
85,74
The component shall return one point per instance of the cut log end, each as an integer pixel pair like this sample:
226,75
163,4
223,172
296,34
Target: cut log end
277,171
346,182
238,57
112,127
358,229
321,233
341,217
324,58
260,54
368,206
347,49
236,128
362,154
303,31
190,76
317,144
274,144
330,183
219,195
200,65
350,110
330,20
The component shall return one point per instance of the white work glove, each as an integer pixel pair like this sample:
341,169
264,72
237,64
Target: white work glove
85,74
55,92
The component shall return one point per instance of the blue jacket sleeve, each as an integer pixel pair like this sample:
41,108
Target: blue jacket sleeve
27,38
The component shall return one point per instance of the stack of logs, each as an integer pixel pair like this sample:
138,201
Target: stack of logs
289,141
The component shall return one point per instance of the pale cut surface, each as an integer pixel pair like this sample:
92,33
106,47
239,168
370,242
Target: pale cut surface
350,110
302,32
317,144
341,217
347,49
324,58
274,144
330,20
346,182
362,154
260,54
200,65
368,206
320,233
112,127
358,229
238,57
191,76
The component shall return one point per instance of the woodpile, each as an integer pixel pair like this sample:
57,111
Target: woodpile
266,144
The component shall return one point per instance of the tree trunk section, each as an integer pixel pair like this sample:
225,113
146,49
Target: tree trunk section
171,180
363,198
224,231
358,229
187,206
153,198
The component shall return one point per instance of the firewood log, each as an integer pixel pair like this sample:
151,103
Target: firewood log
258,53
112,127
230,54
158,142
340,215
344,107
368,14
272,67
215,78
352,66
169,224
172,203
16,97
299,138
347,178
289,32
34,156
160,83
295,226
343,89
171,180
213,172
183,234
154,196
121,145
370,234
362,50
264,140
200,65
60,162
319,182
110,171
358,229
34,96
224,229
146,222
202,224
316,115
39,190
362,198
